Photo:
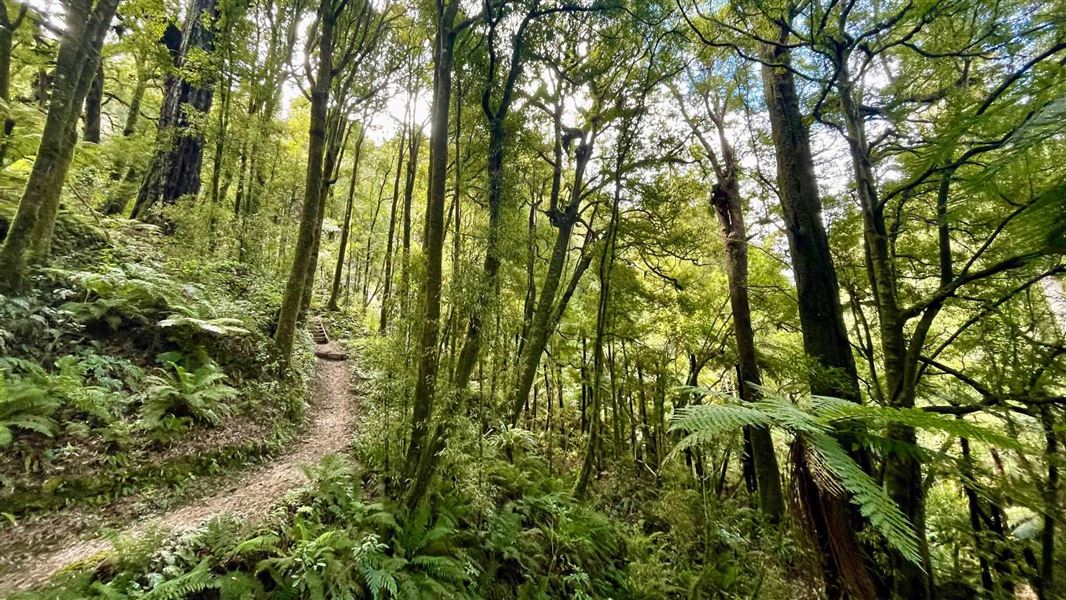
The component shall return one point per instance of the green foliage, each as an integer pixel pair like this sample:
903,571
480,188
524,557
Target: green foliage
26,406
200,394
29,324
92,385
813,424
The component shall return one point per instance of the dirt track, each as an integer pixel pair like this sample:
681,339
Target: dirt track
251,496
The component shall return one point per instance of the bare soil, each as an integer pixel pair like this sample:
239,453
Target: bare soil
250,496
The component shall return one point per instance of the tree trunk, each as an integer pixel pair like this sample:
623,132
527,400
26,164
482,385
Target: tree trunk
1047,590
386,294
225,94
472,342
495,118
415,142
7,35
174,171
974,504
726,202
334,294
29,236
602,316
420,454
902,470
370,239
540,329
336,139
124,174
847,570
316,147
93,101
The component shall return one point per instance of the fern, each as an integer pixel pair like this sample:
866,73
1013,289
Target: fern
218,326
27,406
237,585
199,394
835,410
813,422
873,502
259,544
193,582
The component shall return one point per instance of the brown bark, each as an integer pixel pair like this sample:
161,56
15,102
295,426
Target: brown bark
174,171
726,202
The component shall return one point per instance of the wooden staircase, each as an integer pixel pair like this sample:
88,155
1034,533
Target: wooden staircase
324,348
318,331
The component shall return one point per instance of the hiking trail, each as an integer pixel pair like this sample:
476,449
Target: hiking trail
250,496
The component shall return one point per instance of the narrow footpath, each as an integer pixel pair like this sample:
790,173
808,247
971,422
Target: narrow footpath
250,496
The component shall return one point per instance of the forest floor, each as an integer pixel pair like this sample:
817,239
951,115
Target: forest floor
249,495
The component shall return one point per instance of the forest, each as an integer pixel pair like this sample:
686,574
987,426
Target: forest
532,299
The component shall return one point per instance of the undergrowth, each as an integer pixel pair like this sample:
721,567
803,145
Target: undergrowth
118,371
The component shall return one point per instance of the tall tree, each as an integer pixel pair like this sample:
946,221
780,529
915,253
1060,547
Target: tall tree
847,567
174,171
420,454
496,99
322,32
8,26
726,202
29,237
348,37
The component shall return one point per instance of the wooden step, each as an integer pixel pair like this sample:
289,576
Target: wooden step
318,331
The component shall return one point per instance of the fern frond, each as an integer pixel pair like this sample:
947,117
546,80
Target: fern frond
261,543
717,418
873,502
193,582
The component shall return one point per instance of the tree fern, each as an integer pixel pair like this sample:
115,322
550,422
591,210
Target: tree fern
834,468
873,501
835,410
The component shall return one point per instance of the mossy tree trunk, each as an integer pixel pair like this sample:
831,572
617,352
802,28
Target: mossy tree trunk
174,171
93,105
29,237
7,35
421,453
847,570
316,148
